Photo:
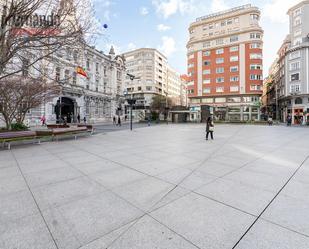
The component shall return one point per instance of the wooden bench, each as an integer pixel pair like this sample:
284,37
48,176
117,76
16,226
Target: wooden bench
89,127
54,126
58,132
8,137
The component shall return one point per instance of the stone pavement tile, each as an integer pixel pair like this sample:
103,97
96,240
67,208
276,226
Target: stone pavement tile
81,159
12,185
265,235
174,176
61,193
116,177
242,196
256,179
7,159
73,154
42,166
144,193
9,172
131,160
155,167
290,212
215,169
96,166
296,189
205,223
17,205
36,159
26,233
180,160
30,152
196,179
148,233
108,239
230,161
80,222
302,175
46,177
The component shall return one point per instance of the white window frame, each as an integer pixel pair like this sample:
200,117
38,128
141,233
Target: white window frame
234,58
220,51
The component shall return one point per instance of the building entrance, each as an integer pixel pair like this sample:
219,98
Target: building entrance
65,110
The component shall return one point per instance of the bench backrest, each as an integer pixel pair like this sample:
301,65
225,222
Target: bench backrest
17,134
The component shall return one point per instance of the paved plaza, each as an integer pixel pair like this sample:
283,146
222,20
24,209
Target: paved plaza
159,187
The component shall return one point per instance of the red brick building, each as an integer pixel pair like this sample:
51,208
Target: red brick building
225,64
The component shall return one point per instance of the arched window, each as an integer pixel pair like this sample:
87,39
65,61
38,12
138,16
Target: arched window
298,101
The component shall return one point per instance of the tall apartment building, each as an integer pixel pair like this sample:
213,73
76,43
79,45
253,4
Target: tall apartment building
294,64
154,76
225,63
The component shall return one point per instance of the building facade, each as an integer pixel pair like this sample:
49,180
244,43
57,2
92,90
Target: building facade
153,76
292,78
225,63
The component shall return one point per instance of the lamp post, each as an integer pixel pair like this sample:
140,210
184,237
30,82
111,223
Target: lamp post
131,101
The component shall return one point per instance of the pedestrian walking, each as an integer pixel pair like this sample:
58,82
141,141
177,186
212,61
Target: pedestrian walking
85,120
148,121
270,121
210,128
119,121
43,120
78,118
114,120
289,120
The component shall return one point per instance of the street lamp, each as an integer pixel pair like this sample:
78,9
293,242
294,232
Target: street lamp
131,101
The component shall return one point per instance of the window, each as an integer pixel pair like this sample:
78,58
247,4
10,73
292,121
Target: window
66,74
220,51
219,41
294,55
295,88
256,56
234,38
255,77
223,23
298,101
57,78
234,79
233,100
220,80
74,78
295,77
233,58
255,67
220,70
234,49
236,20
255,45
206,53
207,90
191,31
297,41
190,65
206,44
229,22
97,67
88,64
254,17
255,87
297,32
148,88
297,21
234,69
294,65
207,63
25,67
234,89
220,60
211,26
206,81
191,91
139,88
206,71
220,90
255,36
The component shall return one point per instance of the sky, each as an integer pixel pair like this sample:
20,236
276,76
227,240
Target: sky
163,24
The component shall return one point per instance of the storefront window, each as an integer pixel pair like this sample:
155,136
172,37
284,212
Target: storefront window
234,109
233,100
246,109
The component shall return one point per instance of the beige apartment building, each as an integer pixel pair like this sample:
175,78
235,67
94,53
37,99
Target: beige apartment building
225,64
154,76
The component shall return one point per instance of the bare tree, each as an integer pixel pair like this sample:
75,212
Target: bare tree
33,30
20,94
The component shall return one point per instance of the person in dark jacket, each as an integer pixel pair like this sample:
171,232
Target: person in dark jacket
119,121
209,128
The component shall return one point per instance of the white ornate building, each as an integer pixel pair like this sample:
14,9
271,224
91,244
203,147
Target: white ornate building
96,97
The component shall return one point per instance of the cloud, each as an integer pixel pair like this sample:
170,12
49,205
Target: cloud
276,10
218,5
168,46
167,8
143,11
131,46
162,27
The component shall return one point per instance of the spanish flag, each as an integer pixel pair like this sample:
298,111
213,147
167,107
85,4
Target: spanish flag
81,71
